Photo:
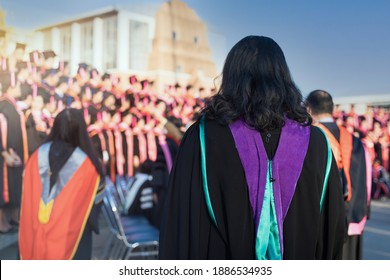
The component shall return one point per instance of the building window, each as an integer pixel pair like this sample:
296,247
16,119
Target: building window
65,51
47,40
196,40
86,52
179,69
139,45
110,42
174,35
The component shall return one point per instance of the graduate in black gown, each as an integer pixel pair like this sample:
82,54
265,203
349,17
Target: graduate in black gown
252,178
14,145
5,159
36,124
355,169
73,186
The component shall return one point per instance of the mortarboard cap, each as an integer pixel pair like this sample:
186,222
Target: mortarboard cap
125,113
94,72
83,65
106,76
21,65
144,83
133,79
49,72
20,46
62,65
63,79
82,68
34,56
49,54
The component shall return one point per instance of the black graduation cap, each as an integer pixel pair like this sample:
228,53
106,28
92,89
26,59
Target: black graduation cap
62,65
20,46
133,79
83,66
49,72
106,76
49,54
34,56
144,83
93,72
106,94
2,33
113,112
125,113
21,65
63,79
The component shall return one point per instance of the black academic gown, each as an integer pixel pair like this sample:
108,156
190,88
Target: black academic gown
34,137
187,231
160,174
14,141
357,207
1,167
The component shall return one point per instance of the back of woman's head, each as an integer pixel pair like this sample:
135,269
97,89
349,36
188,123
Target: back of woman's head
257,86
70,127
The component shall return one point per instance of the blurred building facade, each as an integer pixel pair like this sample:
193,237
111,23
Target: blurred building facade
167,43
361,103
181,46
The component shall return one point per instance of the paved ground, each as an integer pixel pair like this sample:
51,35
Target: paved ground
376,244
9,245
376,236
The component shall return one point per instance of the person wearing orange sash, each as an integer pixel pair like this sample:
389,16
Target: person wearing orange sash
5,159
353,161
62,194
15,150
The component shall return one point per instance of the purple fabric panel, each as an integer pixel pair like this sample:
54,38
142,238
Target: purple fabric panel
286,166
167,154
254,161
288,160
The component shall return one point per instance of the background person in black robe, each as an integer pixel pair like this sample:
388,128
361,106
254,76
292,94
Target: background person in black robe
36,124
68,133
5,158
320,104
257,87
15,145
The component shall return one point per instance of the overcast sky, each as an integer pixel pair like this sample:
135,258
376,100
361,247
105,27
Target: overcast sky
342,46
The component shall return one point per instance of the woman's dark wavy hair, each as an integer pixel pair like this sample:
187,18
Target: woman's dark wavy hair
70,127
257,86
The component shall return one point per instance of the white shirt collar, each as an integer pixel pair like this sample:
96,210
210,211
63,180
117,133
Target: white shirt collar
326,120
